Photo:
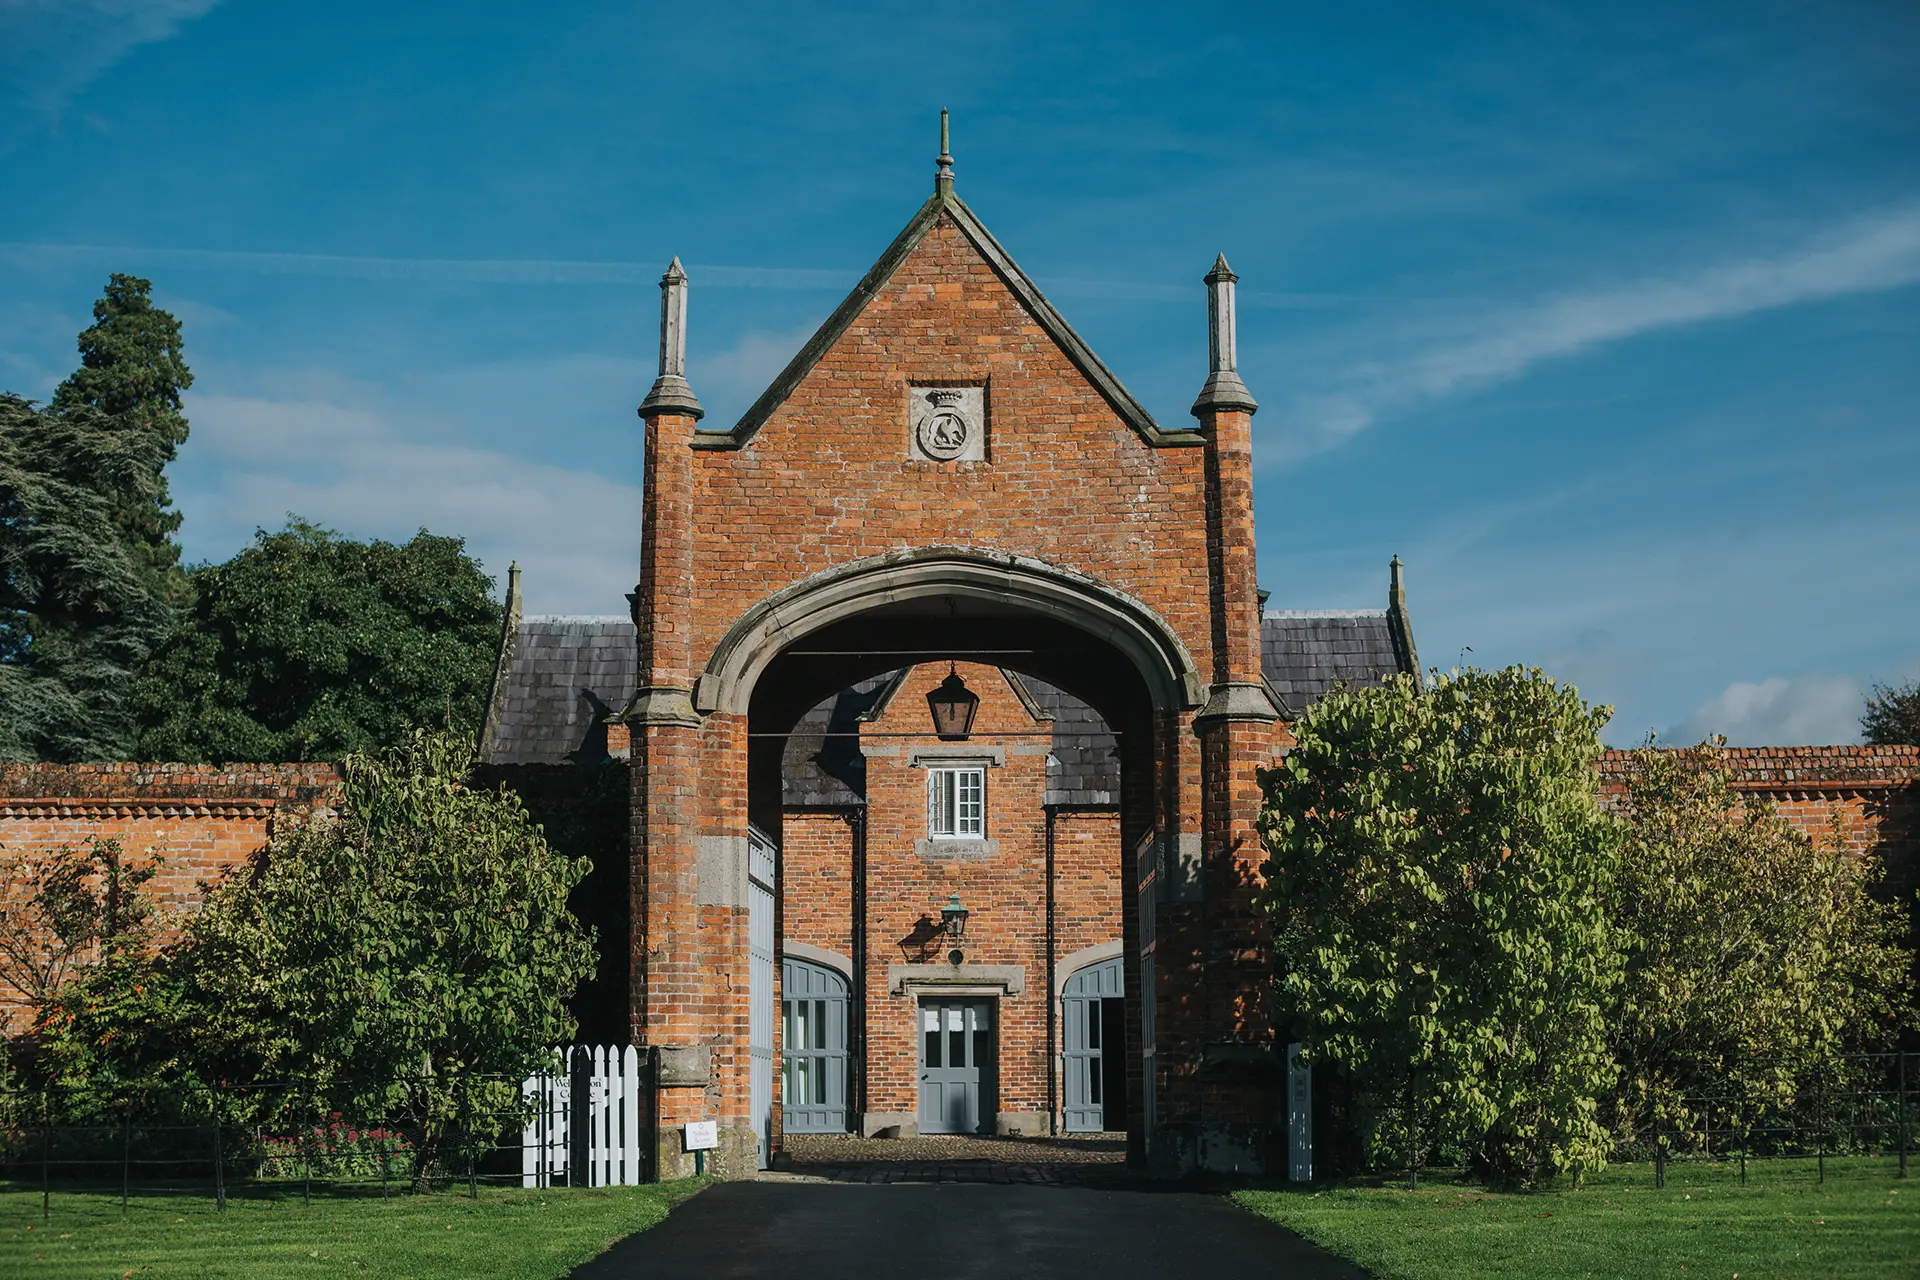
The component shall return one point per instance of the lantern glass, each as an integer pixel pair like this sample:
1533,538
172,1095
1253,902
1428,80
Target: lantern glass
953,706
953,917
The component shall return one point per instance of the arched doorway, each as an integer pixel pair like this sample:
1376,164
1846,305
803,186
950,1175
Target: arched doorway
813,1033
997,617
1093,1042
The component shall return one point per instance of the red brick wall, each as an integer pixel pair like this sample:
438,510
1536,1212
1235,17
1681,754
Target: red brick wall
1875,791
1004,893
200,819
816,879
1086,881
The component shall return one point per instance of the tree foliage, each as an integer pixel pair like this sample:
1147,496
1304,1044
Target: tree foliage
1893,714
1438,871
1756,956
407,959
67,908
132,370
89,573
81,604
309,646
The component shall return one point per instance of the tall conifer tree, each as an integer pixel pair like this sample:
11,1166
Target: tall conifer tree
132,370
89,573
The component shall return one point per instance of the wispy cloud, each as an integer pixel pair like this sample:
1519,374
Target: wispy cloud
526,271
1808,710
52,49
1876,252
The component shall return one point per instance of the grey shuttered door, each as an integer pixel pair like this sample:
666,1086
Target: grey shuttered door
956,1066
761,863
1093,1047
813,1075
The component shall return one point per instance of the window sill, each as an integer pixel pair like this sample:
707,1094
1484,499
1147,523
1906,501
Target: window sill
948,848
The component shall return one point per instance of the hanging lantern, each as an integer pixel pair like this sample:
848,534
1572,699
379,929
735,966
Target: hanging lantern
953,707
953,917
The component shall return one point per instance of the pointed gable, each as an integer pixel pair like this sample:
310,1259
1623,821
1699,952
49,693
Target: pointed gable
944,207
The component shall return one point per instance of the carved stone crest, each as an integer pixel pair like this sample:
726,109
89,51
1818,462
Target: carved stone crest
949,424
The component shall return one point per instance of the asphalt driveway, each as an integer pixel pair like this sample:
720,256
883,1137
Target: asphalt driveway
960,1231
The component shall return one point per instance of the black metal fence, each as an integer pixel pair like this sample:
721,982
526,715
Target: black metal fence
278,1139
1760,1109
1849,1115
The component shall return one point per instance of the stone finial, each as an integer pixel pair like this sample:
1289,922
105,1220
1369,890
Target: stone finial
943,176
1400,621
670,393
1224,389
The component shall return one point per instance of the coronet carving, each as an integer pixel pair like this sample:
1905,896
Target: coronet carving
949,424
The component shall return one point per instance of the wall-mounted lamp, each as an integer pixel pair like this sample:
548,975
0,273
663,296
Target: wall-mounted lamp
953,707
953,918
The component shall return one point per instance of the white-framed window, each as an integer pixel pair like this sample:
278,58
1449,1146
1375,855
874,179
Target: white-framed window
956,803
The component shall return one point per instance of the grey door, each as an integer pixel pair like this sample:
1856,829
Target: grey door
1094,1044
956,1066
813,1044
762,866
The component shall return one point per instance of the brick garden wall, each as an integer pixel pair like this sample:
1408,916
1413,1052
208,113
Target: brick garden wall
1873,790
199,819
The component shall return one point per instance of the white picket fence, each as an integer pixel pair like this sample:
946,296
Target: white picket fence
614,1123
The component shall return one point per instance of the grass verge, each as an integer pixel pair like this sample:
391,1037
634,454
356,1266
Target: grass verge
503,1235
1863,1222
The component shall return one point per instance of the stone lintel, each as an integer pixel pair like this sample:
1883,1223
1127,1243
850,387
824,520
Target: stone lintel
941,979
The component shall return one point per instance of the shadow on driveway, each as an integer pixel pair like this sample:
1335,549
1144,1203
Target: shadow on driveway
960,1231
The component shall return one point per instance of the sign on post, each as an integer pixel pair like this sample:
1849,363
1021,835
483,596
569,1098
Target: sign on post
1299,1117
702,1135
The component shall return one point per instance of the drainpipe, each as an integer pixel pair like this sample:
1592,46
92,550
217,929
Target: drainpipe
1053,1062
857,1030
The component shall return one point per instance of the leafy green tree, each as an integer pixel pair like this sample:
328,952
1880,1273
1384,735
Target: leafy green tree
1438,870
1893,714
1756,957
132,370
410,958
308,646
81,605
406,961
66,908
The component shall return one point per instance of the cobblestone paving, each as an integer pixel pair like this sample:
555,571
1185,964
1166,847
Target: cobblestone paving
1062,1161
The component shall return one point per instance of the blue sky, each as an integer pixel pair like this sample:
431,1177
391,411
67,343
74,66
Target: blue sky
1604,317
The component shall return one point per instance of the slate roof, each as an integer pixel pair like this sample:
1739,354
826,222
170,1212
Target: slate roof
561,677
1083,763
821,763
1304,653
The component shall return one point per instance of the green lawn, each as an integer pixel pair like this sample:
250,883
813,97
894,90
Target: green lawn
1863,1222
504,1235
